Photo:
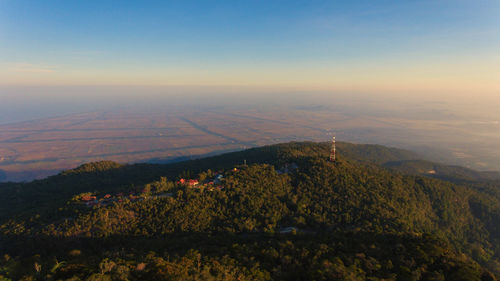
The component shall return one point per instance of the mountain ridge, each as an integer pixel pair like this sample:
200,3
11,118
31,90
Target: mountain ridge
282,188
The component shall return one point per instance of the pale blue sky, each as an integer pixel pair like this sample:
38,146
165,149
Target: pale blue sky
384,45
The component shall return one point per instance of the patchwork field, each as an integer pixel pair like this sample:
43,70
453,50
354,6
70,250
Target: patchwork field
39,148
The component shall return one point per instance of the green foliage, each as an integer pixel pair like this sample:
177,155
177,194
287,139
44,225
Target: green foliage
446,172
351,220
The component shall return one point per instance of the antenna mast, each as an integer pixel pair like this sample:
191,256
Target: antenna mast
332,151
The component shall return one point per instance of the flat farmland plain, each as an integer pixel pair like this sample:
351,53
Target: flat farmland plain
38,148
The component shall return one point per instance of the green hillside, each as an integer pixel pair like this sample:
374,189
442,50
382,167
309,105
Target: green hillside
286,215
441,171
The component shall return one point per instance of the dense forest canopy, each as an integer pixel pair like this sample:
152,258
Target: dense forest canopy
287,214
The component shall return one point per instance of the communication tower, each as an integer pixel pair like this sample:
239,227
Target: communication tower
333,151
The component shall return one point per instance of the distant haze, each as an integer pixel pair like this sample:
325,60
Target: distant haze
21,103
174,78
136,124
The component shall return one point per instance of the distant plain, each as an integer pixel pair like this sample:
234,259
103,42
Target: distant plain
443,132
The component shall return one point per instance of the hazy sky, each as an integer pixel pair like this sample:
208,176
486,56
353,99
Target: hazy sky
399,46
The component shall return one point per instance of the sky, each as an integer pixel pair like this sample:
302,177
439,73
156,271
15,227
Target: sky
401,47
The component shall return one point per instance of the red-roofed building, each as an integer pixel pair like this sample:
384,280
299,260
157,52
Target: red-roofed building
192,182
188,182
88,198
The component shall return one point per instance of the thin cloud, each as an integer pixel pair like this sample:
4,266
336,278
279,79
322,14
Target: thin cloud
32,68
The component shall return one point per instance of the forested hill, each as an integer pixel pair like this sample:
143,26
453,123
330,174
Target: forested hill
441,171
289,214
111,176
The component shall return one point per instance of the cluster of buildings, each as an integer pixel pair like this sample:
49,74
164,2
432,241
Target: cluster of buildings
189,182
92,200
211,184
214,183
